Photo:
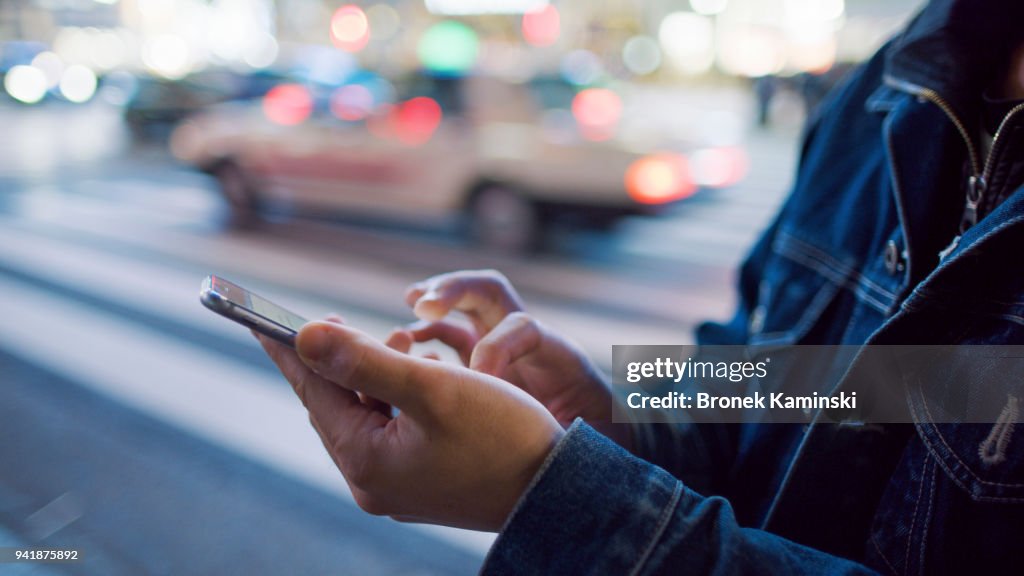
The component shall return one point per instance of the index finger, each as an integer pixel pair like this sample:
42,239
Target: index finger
485,296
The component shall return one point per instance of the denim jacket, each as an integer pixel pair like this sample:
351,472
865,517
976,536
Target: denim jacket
868,249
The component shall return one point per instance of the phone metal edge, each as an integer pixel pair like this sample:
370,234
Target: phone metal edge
228,309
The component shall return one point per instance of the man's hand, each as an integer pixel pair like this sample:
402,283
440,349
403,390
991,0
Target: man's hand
508,343
461,450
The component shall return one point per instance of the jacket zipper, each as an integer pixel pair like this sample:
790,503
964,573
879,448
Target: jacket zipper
990,160
977,184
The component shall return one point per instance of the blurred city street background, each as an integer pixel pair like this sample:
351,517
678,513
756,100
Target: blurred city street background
148,143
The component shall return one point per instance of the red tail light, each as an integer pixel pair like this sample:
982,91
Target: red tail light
288,104
660,178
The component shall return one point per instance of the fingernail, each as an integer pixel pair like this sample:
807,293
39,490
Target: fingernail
314,344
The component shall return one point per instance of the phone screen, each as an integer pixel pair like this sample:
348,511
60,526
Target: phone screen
265,308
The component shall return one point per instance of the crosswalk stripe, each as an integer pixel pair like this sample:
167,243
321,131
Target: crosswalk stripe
231,404
375,289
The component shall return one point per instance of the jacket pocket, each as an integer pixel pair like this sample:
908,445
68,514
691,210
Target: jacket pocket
799,284
927,523
967,401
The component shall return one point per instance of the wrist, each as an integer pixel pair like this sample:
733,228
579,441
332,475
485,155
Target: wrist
526,477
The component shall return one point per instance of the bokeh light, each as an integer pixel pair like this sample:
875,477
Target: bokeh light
51,65
641,55
414,121
350,28
352,102
581,67
384,21
542,26
167,55
660,178
26,84
71,44
752,51
597,111
78,84
448,47
477,7
263,54
814,10
288,104
108,50
688,41
708,7
811,53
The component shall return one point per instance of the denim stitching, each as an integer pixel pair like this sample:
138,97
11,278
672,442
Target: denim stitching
913,518
927,515
959,483
666,515
837,274
874,542
837,277
951,474
952,453
827,259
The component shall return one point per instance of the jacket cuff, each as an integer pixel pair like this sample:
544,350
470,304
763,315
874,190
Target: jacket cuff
591,508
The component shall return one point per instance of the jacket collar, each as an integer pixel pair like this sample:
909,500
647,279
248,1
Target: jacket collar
955,48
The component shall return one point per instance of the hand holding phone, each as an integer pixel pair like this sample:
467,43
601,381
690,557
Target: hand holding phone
236,303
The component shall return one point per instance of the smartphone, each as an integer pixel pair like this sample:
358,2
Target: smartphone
232,301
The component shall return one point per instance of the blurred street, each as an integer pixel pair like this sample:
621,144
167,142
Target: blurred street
173,445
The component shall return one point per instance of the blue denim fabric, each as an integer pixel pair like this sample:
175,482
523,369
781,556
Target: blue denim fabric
880,168
596,509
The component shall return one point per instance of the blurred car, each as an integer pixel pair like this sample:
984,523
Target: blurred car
512,157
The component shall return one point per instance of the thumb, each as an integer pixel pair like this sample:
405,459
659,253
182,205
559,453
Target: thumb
357,362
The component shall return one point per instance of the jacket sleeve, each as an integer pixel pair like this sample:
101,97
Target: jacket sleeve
595,509
701,455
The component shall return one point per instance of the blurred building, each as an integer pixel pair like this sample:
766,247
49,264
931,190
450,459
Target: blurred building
660,39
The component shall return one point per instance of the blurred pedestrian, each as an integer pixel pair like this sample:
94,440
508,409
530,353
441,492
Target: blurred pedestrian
764,91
